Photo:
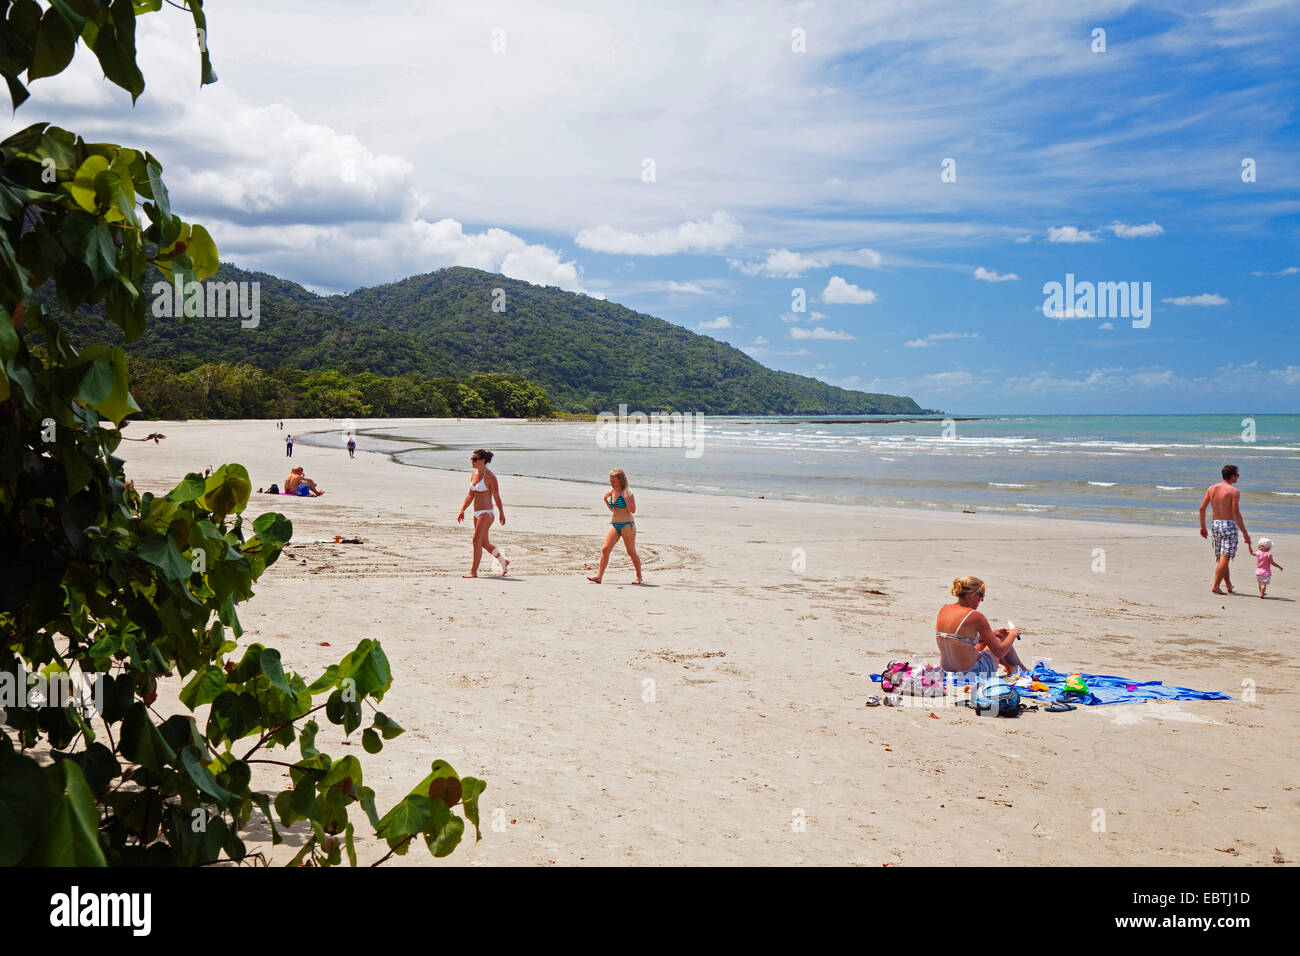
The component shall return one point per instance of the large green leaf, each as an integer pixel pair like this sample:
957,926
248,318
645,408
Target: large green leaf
202,252
24,806
70,836
233,716
274,671
159,191
444,830
226,490
161,551
88,238
386,725
408,817
142,743
114,45
368,666
55,43
201,776
190,488
471,788
204,687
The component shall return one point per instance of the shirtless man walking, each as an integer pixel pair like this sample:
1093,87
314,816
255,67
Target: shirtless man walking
1226,503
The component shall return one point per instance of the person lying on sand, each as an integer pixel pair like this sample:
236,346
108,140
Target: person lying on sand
622,506
966,641
298,479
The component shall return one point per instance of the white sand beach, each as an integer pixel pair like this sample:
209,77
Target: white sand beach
538,683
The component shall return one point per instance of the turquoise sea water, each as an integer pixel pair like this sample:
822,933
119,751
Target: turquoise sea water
1145,468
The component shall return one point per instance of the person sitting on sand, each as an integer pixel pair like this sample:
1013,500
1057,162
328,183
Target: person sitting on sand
622,506
483,490
967,644
297,481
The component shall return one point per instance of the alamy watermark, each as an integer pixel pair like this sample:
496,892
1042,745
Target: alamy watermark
209,300
1101,300
59,689
656,430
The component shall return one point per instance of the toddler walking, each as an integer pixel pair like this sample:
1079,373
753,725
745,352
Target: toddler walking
1264,564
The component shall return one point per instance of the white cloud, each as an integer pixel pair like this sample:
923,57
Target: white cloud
817,332
721,322
1136,232
939,337
1205,298
719,231
846,293
1107,326
1288,271
1070,234
341,257
759,349
1287,376
1024,239
784,264
688,288
817,316
990,276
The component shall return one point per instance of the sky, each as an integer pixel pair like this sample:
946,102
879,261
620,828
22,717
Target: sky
877,194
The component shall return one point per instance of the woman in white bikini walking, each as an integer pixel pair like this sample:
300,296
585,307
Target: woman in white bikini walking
483,490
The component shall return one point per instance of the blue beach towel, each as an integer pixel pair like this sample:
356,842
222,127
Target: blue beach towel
1104,689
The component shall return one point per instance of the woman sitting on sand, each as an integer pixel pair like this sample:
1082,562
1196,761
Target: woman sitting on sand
483,490
967,644
622,505
298,480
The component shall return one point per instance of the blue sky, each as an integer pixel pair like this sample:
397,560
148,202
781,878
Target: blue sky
794,146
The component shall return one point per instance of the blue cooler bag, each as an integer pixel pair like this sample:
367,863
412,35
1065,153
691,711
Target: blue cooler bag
996,698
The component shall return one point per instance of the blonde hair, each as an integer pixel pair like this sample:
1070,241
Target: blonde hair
964,586
621,477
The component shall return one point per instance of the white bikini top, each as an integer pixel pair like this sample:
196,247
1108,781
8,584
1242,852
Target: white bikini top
956,637
481,486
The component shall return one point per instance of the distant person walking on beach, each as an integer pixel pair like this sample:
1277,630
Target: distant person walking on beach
1264,564
352,448
483,490
1226,503
288,446
622,506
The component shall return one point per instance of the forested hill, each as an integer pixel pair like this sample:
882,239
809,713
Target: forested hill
589,355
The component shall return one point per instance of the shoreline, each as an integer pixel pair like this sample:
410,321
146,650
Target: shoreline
1138,517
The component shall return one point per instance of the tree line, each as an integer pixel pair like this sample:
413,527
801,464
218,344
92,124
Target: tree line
222,390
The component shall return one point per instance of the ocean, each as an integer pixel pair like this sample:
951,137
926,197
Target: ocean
1137,468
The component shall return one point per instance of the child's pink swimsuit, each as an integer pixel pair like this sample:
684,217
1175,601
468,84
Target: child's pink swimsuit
1264,565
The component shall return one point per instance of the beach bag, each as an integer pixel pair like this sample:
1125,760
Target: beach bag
273,490
303,491
892,677
927,682
996,698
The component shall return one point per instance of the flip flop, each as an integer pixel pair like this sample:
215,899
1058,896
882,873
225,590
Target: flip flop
1059,707
873,701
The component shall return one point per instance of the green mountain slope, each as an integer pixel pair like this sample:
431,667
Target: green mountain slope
588,354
